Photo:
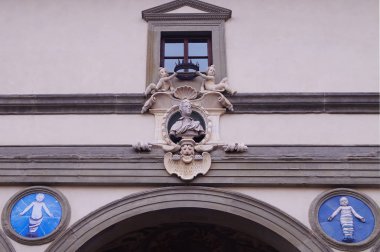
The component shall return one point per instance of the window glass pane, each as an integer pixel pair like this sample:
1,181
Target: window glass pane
203,64
197,48
174,49
169,64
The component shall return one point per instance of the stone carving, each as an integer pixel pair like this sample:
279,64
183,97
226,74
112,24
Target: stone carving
346,219
186,126
187,163
163,85
236,147
177,120
185,92
210,85
142,147
225,103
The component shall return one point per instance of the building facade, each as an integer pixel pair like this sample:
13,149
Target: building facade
275,147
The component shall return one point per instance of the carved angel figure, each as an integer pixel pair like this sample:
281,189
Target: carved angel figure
209,82
346,220
163,85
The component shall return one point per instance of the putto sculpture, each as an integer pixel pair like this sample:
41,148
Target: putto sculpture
210,85
346,219
164,84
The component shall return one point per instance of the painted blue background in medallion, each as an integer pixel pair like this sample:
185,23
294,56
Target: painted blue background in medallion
20,224
333,228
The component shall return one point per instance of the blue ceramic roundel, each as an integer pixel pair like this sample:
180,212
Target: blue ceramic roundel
346,219
36,215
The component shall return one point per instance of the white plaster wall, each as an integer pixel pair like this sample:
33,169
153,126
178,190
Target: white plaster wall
88,46
97,197
319,129
301,129
76,129
303,45
99,46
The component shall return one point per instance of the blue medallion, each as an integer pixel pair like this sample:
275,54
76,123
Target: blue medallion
36,215
346,219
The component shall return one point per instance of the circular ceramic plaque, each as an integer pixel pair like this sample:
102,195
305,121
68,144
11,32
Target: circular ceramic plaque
35,215
346,219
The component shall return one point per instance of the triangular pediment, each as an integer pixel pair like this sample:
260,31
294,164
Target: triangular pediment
186,10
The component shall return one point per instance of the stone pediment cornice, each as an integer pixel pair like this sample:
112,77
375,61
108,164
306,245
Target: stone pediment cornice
211,12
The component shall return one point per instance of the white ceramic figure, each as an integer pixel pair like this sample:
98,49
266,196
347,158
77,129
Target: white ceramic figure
36,217
163,85
210,85
346,220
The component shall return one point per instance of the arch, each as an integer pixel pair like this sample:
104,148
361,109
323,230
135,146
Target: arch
285,229
5,244
376,248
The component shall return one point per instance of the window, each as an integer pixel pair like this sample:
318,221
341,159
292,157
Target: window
189,47
191,31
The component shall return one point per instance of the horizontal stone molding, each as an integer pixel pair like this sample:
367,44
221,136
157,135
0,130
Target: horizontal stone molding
252,103
353,166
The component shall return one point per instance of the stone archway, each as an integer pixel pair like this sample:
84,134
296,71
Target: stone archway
5,245
200,205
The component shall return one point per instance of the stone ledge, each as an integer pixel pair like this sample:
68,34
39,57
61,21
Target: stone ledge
353,166
252,103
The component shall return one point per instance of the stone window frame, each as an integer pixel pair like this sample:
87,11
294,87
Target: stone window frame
160,19
314,223
65,218
155,28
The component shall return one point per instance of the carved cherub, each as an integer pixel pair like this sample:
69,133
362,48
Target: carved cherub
163,85
209,82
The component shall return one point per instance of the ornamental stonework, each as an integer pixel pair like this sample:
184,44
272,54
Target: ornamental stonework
187,120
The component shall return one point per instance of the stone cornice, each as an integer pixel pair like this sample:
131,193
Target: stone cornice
246,103
294,103
259,166
211,12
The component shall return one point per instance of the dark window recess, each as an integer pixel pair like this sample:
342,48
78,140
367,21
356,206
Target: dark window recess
189,47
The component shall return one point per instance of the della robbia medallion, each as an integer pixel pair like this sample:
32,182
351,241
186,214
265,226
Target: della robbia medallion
346,218
35,215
